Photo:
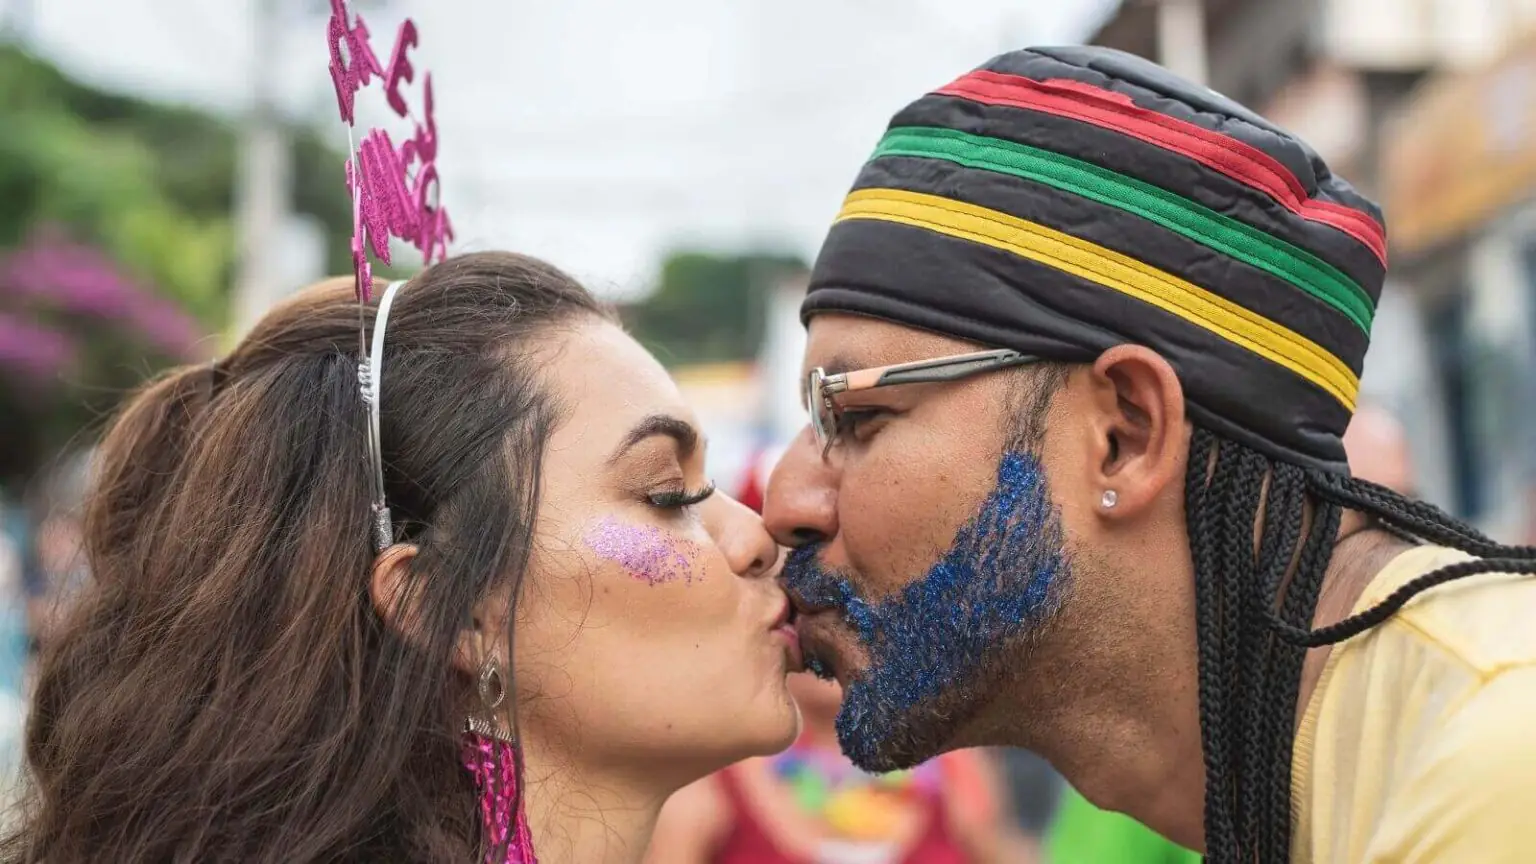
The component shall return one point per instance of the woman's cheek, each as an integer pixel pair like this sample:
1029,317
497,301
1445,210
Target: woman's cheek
646,553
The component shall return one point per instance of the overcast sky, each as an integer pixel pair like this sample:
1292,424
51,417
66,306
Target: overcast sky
596,133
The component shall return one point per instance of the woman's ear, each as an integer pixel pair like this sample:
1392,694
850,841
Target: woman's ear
483,633
387,589
472,647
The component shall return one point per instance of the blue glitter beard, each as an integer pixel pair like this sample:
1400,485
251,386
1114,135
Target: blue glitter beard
994,583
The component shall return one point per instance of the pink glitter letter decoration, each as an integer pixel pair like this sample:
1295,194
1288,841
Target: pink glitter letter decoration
400,67
434,229
360,264
394,191
388,207
352,71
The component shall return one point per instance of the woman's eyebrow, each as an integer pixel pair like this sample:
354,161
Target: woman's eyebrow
681,431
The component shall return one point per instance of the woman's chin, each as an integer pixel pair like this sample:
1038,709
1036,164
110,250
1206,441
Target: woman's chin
792,730
770,732
788,730
773,730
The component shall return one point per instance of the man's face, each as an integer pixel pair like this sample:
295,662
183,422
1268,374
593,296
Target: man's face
927,543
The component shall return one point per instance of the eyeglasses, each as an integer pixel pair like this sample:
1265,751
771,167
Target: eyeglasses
820,387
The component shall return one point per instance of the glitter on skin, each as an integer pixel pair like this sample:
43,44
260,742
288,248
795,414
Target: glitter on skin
996,581
649,554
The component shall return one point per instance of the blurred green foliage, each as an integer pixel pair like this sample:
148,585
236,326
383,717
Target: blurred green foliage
708,308
150,185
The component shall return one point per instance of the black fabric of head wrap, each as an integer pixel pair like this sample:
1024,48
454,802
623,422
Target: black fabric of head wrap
1275,263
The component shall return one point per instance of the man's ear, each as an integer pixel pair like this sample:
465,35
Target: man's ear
1142,429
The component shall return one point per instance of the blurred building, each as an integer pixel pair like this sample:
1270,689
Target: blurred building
1329,70
780,360
728,399
1399,97
1459,179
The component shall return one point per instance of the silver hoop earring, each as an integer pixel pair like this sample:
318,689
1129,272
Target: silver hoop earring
491,682
491,685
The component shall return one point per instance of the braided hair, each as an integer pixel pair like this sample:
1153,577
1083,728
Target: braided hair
1254,627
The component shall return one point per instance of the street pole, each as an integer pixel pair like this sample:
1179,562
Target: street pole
1181,38
261,195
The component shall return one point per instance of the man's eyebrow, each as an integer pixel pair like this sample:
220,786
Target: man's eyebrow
841,363
681,431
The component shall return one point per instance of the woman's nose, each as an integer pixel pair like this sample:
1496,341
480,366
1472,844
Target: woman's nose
740,535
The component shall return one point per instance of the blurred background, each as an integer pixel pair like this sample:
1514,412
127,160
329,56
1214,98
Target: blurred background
171,168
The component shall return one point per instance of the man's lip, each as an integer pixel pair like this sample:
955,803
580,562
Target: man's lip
815,631
804,608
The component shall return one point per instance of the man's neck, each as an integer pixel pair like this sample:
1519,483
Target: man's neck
1132,743
1362,551
1114,716
1136,755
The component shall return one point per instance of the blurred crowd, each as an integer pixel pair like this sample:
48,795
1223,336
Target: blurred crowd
41,565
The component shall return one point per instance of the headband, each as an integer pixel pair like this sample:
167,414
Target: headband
370,375
394,194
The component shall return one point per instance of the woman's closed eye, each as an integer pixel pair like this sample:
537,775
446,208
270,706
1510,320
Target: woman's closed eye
679,497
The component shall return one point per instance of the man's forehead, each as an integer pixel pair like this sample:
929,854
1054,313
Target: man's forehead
843,343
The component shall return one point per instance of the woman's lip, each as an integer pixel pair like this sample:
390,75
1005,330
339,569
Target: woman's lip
786,614
791,637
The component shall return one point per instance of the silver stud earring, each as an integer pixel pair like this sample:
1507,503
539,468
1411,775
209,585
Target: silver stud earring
1110,499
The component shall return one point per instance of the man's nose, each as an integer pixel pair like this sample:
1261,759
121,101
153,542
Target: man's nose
801,505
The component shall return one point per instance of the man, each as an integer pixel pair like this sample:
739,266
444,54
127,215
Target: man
1377,448
1082,347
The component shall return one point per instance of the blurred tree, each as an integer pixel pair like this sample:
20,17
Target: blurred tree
147,189
707,307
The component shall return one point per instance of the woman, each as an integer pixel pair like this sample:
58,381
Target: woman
809,805
249,679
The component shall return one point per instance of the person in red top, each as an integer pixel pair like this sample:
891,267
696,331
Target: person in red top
810,805
753,483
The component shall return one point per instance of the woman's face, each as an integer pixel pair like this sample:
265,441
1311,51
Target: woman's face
649,631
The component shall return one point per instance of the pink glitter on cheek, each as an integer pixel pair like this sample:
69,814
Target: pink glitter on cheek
649,554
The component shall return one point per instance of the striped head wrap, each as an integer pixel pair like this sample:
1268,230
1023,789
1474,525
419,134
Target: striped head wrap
1061,201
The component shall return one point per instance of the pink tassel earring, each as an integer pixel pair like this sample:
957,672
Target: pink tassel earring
490,756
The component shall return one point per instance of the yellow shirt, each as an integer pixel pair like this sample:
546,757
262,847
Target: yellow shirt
1419,743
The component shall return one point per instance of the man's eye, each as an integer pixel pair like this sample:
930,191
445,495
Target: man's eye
851,420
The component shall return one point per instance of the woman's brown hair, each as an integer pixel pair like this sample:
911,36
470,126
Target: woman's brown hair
225,690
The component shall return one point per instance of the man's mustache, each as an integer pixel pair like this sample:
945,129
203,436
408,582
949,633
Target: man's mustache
813,587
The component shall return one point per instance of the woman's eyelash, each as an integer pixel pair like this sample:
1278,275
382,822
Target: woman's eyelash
676,499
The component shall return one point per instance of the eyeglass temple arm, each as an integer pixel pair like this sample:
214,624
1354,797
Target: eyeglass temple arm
948,368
